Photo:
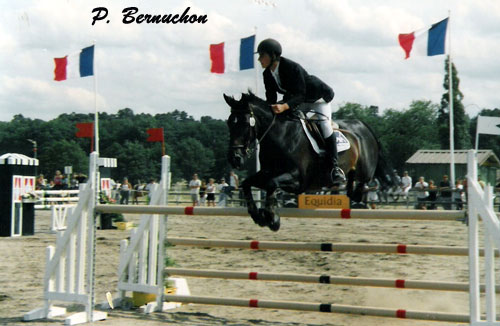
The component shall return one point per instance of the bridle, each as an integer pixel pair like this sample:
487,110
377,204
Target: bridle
247,147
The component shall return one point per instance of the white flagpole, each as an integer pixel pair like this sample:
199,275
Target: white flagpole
96,114
256,63
477,134
450,102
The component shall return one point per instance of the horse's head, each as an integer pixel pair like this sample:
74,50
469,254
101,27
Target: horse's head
242,124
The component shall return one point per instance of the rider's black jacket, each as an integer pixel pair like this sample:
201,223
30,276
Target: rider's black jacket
296,85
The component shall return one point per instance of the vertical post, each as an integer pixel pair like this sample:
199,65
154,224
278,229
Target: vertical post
474,298
96,114
450,103
489,259
162,229
91,214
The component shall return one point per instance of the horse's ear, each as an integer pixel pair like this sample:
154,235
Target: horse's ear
230,100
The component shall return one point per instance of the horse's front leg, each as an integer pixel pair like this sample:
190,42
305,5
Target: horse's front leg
256,180
288,181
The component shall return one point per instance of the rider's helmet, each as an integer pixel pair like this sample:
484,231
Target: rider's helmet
271,47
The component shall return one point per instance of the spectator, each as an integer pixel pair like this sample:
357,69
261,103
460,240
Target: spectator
223,188
58,181
194,186
372,198
203,192
138,192
41,183
459,194
406,183
234,183
211,192
149,187
125,189
445,189
422,193
395,190
432,195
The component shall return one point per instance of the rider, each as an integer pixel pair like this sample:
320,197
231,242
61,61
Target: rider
284,76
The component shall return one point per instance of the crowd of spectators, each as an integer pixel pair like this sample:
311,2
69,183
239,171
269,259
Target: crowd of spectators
429,194
203,193
59,181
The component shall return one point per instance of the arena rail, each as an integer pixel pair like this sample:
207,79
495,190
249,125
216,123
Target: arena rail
420,215
321,307
324,279
324,246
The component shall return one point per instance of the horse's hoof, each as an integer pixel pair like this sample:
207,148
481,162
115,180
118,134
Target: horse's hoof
275,224
262,217
272,220
256,216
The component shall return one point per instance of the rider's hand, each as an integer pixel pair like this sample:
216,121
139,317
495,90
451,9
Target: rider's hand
279,108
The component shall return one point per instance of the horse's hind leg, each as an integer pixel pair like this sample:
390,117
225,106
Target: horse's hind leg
350,184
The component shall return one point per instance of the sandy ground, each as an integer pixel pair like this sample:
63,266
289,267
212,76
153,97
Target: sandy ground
22,266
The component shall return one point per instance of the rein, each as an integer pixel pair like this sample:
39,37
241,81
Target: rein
249,150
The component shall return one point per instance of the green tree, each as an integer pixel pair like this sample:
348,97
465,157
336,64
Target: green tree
408,131
192,157
461,121
61,153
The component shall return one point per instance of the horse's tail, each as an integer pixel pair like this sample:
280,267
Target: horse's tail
383,171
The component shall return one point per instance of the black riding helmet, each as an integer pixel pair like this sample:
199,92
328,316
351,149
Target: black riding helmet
271,47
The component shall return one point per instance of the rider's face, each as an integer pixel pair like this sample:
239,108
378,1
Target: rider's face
265,60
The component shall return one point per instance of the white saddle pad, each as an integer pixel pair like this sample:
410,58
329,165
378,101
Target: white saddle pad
342,142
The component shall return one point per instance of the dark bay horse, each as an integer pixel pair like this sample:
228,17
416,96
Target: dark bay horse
287,159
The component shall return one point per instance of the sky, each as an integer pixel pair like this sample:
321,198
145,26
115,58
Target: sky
352,45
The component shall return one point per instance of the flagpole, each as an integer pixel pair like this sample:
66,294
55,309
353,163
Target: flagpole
163,142
477,134
96,114
450,103
97,185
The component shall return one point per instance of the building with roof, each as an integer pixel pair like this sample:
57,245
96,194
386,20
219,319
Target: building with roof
433,164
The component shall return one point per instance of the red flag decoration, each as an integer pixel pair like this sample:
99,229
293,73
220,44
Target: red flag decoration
155,134
85,130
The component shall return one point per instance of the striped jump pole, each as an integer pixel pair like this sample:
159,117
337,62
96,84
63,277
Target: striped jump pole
317,246
321,307
324,279
389,214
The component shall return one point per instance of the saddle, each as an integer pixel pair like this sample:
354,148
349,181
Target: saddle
310,120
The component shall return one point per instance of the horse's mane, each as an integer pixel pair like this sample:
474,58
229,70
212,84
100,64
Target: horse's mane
249,98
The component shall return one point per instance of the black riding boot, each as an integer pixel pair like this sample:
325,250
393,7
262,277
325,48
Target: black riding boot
337,175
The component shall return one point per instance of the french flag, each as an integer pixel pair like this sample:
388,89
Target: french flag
80,64
428,41
233,55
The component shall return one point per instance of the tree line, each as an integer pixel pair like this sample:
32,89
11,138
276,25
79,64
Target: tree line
201,145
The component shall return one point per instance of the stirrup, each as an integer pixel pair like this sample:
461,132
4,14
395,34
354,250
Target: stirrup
337,175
